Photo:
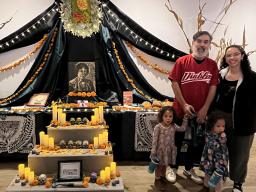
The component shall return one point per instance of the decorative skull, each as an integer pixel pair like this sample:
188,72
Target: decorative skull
85,121
78,120
70,144
72,121
85,144
63,144
42,179
78,144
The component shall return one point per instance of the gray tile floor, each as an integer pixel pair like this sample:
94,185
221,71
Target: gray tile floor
137,179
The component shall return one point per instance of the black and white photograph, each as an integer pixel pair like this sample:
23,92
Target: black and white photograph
82,76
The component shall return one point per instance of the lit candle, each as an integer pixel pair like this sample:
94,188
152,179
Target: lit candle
54,112
113,168
93,120
51,142
59,115
101,116
31,177
101,140
41,136
103,175
107,172
96,142
62,118
105,137
27,171
64,115
21,168
96,114
46,141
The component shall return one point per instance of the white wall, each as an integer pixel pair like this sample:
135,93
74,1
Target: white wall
153,16
22,12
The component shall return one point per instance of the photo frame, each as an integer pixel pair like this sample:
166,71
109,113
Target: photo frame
81,76
70,170
38,99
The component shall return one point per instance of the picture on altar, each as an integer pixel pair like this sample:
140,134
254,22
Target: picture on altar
81,76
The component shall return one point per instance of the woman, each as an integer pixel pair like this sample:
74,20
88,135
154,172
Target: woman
236,97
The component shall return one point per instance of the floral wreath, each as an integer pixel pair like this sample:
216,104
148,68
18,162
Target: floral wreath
81,17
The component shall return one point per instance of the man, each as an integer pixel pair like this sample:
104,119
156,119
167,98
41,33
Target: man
194,81
81,83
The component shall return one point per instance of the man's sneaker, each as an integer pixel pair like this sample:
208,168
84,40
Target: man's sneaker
170,174
193,176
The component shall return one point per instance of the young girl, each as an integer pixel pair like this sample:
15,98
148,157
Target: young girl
214,159
163,145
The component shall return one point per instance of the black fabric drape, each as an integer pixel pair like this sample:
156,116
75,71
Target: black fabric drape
35,34
46,80
136,35
129,67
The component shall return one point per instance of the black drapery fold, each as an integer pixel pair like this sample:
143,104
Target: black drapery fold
135,72
136,35
22,37
130,68
47,79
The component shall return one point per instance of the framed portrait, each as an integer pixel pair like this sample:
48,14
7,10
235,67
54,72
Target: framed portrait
70,170
38,99
127,98
81,77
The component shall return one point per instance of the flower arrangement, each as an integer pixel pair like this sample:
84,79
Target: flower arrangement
81,17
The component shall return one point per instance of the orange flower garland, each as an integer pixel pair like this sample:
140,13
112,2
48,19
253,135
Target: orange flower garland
125,74
82,94
39,69
152,66
23,59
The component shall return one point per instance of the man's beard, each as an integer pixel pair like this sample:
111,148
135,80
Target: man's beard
200,52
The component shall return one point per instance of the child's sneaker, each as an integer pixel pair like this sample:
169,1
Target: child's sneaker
170,174
214,179
193,176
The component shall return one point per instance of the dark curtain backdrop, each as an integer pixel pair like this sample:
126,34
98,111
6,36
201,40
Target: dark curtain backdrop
98,48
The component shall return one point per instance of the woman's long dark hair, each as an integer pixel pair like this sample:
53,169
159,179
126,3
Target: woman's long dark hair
245,63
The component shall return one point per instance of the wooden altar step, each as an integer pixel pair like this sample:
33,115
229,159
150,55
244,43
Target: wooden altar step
48,164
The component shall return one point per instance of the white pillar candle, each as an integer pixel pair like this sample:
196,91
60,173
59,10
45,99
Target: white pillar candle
54,112
105,137
51,142
101,114
96,142
46,141
41,136
101,140
107,172
31,177
113,168
21,168
27,171
103,175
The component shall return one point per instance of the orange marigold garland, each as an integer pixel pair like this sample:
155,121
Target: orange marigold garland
152,66
26,57
125,73
39,69
82,94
